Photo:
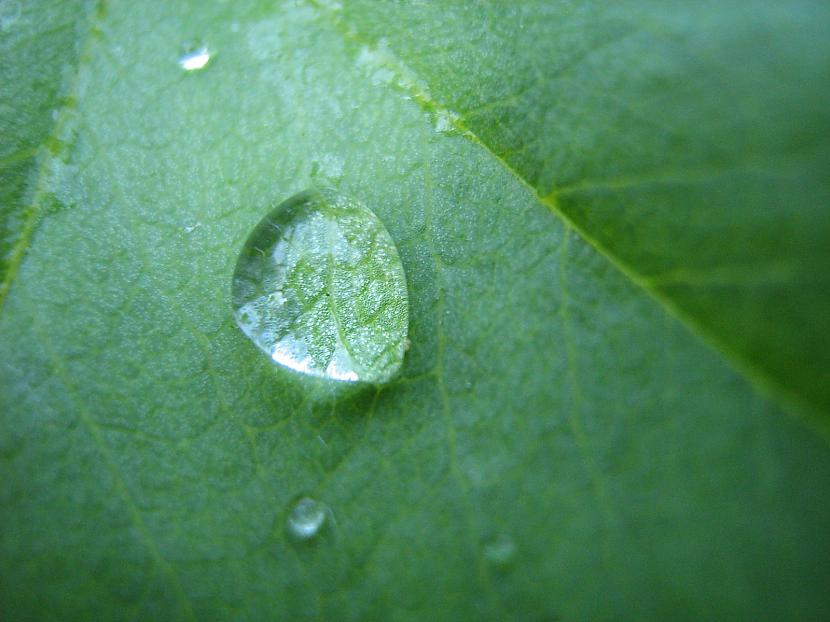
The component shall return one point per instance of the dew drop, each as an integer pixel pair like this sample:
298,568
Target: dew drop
195,57
328,167
306,518
319,288
500,550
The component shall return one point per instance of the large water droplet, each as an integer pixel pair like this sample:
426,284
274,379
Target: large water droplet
195,57
306,518
319,287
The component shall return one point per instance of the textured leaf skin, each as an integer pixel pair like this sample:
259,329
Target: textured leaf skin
687,141
149,456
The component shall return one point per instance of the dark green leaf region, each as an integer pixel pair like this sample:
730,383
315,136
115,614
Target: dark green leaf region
319,287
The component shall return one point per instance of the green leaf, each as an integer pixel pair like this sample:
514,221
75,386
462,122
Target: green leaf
685,141
560,443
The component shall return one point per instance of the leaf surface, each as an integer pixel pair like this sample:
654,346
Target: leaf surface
150,456
687,142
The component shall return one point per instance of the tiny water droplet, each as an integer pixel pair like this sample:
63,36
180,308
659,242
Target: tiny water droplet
446,122
500,550
306,518
327,167
195,57
319,288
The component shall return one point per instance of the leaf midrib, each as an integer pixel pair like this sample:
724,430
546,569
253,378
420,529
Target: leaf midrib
766,383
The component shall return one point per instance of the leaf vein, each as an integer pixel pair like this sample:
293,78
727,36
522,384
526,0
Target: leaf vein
33,211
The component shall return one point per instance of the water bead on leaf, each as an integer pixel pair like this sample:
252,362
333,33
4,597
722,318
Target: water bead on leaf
306,518
319,287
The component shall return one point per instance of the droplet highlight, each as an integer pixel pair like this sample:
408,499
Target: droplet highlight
196,57
306,518
320,288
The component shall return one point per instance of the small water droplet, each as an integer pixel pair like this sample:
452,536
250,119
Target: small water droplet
319,287
306,518
192,228
500,550
195,57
